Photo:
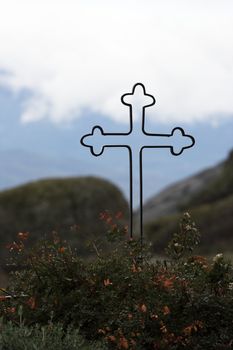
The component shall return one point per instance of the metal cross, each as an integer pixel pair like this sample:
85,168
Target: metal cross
97,140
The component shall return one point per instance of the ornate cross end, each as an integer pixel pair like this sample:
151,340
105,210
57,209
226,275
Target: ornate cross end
94,141
180,141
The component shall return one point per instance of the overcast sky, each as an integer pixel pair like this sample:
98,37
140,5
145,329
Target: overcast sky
73,56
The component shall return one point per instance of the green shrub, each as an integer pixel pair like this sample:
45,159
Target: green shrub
48,337
124,298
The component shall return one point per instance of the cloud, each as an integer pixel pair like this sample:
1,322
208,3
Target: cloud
72,56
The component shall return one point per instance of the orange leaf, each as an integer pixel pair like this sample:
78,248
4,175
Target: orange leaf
107,282
15,246
154,317
163,329
111,338
188,330
168,283
143,308
11,310
166,310
32,303
123,343
61,249
136,268
118,215
23,235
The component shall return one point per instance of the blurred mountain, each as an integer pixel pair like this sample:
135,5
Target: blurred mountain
20,166
168,201
208,196
70,206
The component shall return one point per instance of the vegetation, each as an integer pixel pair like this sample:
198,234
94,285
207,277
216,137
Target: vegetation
122,299
50,337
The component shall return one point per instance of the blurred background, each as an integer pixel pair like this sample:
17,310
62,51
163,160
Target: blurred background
64,65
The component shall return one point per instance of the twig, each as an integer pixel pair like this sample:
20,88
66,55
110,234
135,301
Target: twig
96,250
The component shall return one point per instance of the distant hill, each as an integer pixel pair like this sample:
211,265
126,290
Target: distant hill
208,196
168,200
71,206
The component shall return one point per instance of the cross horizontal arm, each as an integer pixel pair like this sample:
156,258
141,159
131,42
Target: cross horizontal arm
177,140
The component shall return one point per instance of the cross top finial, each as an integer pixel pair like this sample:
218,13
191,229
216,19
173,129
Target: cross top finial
138,96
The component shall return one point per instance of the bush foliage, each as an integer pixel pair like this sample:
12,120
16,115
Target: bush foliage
49,337
124,299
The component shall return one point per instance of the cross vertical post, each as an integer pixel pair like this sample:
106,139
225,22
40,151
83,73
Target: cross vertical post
98,140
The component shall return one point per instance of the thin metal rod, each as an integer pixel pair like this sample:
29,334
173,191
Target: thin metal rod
141,196
130,193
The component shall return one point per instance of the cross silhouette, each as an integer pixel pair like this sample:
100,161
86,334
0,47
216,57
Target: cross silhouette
97,140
